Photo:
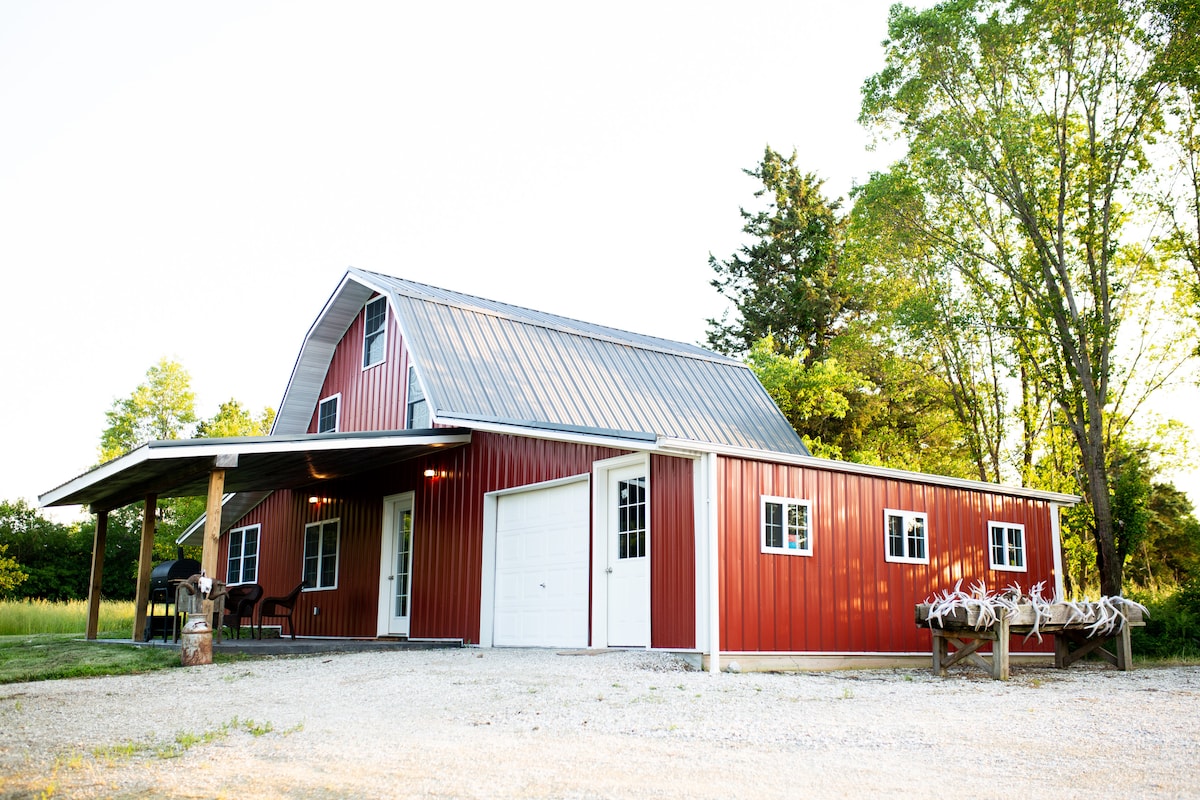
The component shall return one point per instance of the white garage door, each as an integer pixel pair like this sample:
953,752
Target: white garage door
542,542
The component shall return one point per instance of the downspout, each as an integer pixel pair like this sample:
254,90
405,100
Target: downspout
1056,542
714,571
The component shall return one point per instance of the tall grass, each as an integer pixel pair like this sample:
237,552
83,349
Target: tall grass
22,617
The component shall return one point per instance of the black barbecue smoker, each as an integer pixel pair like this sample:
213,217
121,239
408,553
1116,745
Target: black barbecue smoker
164,579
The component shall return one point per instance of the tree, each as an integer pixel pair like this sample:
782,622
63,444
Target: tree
936,318
787,282
1179,66
812,321
11,574
232,419
1172,545
809,395
161,408
1028,125
56,558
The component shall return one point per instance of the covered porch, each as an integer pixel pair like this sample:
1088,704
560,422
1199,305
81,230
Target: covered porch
235,475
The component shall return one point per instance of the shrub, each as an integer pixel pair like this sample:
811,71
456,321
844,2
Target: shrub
1173,625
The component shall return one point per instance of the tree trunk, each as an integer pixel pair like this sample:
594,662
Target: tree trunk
1107,561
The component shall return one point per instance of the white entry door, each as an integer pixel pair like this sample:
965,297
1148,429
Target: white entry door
628,558
541,585
396,581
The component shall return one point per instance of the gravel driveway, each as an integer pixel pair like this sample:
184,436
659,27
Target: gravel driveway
533,723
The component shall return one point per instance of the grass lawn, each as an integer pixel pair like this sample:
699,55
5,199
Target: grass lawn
48,656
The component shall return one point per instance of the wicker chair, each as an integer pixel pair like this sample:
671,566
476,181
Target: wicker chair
280,607
239,605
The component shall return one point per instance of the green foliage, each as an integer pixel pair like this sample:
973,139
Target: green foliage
788,281
1172,629
1169,552
808,394
235,420
55,557
1031,128
11,574
162,408
813,316
1130,491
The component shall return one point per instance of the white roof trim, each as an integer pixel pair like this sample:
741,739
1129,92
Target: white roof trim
167,450
690,447
105,470
551,434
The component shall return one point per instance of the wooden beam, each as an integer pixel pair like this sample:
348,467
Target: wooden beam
145,559
212,523
98,544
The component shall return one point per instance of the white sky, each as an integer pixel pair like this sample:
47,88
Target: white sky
191,181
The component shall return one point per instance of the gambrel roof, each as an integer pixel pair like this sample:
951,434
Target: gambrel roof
484,363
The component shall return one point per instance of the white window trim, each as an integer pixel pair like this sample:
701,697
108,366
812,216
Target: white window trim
991,553
762,526
383,334
906,516
337,559
410,377
257,528
337,417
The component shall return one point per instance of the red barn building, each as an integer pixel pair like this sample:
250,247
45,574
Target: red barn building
448,467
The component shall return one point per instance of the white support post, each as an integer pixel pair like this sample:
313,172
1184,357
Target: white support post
714,570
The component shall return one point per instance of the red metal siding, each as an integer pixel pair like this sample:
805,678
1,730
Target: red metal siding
348,610
672,553
448,520
447,540
373,398
846,597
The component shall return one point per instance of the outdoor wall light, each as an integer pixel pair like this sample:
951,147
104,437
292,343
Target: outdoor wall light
431,473
314,500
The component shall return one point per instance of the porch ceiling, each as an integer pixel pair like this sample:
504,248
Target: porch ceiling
181,468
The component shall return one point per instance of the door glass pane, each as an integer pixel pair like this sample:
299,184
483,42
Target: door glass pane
631,518
403,563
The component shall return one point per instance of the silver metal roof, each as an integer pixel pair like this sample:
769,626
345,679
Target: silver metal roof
484,361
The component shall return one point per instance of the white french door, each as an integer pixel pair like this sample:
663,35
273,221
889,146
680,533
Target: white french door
395,588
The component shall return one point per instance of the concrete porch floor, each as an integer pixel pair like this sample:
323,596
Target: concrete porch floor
301,645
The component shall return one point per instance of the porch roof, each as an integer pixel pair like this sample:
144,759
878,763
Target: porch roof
259,463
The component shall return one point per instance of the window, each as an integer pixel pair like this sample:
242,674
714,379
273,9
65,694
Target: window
786,526
418,410
374,331
1007,550
631,518
321,554
907,534
243,555
327,414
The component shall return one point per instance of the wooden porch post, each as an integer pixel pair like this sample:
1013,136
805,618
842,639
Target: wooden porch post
144,566
212,527
93,622
212,522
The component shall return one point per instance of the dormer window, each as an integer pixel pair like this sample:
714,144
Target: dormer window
327,414
374,331
418,409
